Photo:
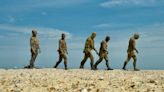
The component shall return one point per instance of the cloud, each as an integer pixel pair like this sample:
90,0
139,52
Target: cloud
46,33
44,13
11,19
151,34
18,6
1,36
131,3
116,25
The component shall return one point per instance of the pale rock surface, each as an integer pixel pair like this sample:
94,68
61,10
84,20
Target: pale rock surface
79,80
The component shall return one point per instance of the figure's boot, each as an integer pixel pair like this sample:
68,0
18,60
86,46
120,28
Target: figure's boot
96,64
28,66
108,68
65,64
94,67
124,67
134,65
56,64
31,66
91,66
81,66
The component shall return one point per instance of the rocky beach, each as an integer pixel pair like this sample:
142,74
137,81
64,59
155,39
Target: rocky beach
80,80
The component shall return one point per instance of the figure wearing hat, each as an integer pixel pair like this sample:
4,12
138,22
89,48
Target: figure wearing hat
89,46
131,52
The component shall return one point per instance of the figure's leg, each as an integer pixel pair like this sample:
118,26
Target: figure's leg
84,60
31,60
134,63
107,62
96,64
58,62
65,61
33,56
91,60
126,61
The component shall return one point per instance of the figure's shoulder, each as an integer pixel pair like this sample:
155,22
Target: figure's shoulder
32,38
132,39
60,40
103,41
89,39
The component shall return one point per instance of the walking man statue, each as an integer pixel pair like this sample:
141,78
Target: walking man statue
35,48
62,51
131,53
89,46
103,54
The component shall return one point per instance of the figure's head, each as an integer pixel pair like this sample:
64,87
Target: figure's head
93,35
136,36
34,33
107,38
63,36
